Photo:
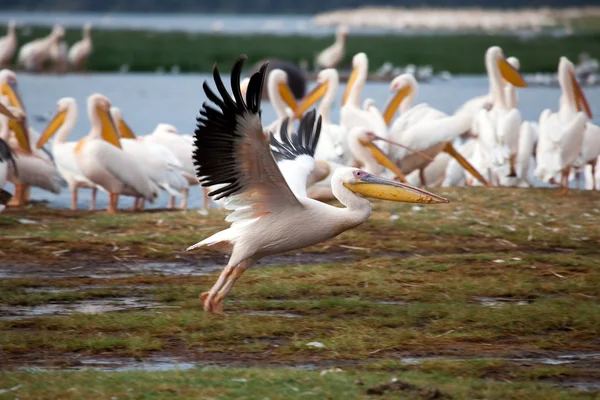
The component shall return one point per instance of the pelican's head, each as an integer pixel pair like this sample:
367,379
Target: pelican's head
342,31
368,103
360,64
87,28
368,154
63,107
12,24
165,128
278,84
99,114
8,88
514,61
123,129
366,184
495,60
568,82
325,79
403,87
58,32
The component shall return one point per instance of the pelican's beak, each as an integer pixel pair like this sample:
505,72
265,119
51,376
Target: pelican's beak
125,130
510,73
580,100
315,95
10,90
380,188
383,159
349,85
19,127
287,96
464,163
57,122
109,130
6,112
394,103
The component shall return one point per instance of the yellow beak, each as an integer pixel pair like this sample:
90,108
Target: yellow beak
382,159
511,74
580,100
6,112
464,163
380,188
21,133
394,103
10,90
124,130
287,96
109,130
52,127
315,95
349,85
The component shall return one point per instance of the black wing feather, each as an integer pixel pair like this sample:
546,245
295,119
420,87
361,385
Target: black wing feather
294,145
7,155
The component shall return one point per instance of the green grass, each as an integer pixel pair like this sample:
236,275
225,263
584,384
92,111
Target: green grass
457,53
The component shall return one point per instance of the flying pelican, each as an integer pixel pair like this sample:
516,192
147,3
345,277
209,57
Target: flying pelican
422,128
63,152
161,165
8,45
35,54
562,133
102,160
81,51
331,56
271,211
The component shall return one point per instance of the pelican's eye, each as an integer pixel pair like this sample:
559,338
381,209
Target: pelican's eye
360,174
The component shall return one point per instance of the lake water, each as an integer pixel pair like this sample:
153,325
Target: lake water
148,99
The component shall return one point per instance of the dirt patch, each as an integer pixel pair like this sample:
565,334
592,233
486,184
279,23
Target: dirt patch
398,386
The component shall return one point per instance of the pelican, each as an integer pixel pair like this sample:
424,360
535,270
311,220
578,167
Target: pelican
422,128
63,152
590,150
35,54
280,95
162,167
8,45
59,58
562,133
81,51
271,213
331,56
102,160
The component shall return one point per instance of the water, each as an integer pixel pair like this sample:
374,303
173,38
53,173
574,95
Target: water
148,99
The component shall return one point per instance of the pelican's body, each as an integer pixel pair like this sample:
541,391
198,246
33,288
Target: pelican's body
103,162
59,57
34,55
271,211
81,51
332,55
562,134
8,45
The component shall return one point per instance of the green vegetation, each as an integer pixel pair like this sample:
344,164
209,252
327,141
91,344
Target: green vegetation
149,51
479,292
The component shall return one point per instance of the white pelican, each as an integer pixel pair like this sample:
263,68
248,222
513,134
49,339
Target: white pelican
590,150
35,54
280,95
102,161
81,51
271,211
161,165
331,56
63,152
8,45
423,129
181,147
562,134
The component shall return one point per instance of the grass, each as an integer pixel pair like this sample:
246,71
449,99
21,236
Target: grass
457,53
416,286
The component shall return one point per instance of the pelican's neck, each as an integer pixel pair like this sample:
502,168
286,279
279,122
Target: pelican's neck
357,87
275,98
327,101
408,102
567,105
96,131
11,30
495,78
340,39
87,34
510,93
67,126
358,209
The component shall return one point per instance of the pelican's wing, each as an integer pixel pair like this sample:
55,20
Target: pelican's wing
295,153
232,152
6,153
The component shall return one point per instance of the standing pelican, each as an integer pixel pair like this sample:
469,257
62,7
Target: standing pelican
271,211
331,56
8,45
102,161
63,152
34,55
562,133
81,51
280,95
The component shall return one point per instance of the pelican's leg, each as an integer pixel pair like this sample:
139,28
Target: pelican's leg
17,199
141,203
422,177
171,204
112,203
26,194
208,297
93,201
186,193
564,181
593,164
74,198
237,272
